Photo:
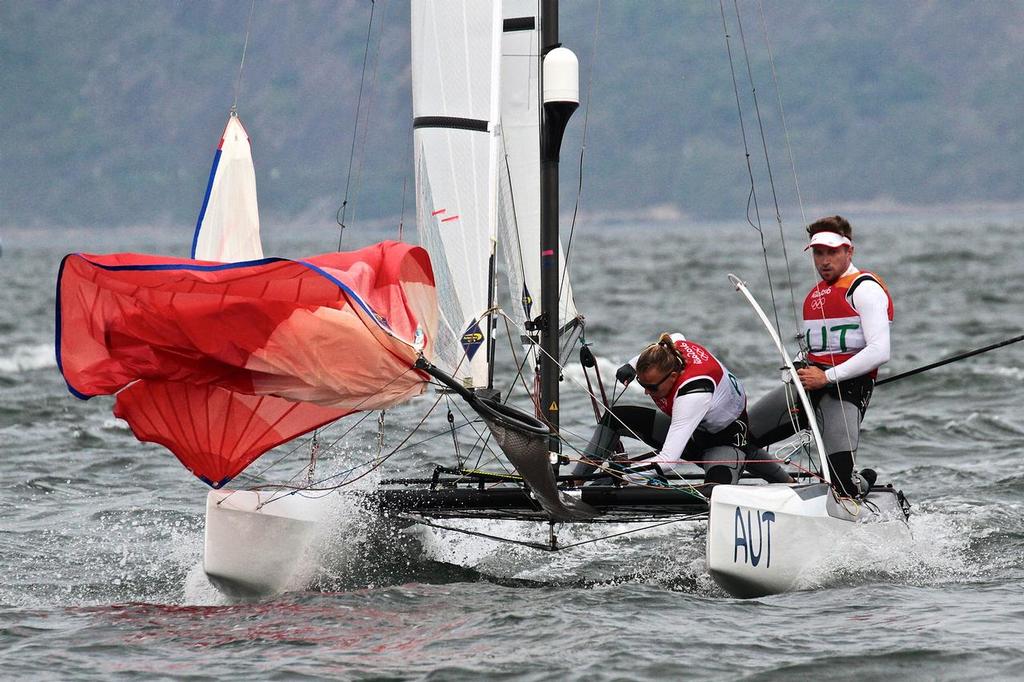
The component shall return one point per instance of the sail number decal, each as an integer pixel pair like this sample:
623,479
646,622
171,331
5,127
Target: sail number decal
744,526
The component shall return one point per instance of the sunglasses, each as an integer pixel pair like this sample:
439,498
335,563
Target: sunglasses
654,387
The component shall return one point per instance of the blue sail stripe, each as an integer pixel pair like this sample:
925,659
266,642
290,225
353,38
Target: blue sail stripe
206,201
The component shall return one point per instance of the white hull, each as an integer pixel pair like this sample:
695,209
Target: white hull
255,549
761,539
765,539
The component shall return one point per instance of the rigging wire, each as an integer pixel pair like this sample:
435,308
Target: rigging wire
583,149
380,432
376,464
561,367
405,183
314,452
401,215
688,517
521,263
521,366
549,547
300,444
241,64
377,461
767,158
482,437
455,439
439,434
792,162
340,215
752,195
369,108
817,286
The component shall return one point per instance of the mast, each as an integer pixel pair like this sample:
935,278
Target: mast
560,88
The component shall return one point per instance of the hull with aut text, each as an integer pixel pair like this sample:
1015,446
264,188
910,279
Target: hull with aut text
768,539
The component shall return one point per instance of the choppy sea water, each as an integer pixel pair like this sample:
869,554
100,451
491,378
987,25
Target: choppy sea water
101,536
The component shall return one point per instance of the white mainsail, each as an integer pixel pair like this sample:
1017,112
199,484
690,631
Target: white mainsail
519,165
455,74
228,229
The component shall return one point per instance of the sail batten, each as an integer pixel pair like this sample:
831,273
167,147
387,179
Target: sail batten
477,124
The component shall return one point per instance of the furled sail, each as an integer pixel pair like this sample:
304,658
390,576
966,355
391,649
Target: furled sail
228,229
220,363
519,165
455,75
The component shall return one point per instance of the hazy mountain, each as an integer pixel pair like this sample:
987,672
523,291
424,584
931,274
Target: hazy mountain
110,111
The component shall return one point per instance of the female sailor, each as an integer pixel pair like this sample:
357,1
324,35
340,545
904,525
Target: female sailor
701,415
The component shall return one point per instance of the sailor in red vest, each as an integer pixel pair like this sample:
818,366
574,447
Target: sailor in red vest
701,415
846,339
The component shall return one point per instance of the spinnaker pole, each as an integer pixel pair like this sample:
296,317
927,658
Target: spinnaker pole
560,88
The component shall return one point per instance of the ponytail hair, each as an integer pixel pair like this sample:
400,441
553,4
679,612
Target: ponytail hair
662,356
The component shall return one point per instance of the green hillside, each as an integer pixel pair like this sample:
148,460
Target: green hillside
110,111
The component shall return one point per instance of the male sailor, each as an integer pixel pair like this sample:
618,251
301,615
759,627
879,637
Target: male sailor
846,319
701,415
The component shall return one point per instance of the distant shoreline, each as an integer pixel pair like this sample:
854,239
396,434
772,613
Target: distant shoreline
876,208
664,214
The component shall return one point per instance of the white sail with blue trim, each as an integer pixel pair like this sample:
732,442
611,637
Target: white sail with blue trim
228,229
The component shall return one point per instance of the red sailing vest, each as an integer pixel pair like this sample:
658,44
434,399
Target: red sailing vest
728,400
832,328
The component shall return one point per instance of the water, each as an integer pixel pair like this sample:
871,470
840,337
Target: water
102,536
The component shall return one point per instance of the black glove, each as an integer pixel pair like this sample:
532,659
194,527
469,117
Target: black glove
625,374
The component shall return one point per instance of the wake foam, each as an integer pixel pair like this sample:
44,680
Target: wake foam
936,552
28,357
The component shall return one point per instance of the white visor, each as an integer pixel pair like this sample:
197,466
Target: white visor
832,240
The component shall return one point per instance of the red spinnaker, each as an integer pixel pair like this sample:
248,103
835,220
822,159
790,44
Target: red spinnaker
221,362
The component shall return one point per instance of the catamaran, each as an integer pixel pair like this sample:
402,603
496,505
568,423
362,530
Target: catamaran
223,356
